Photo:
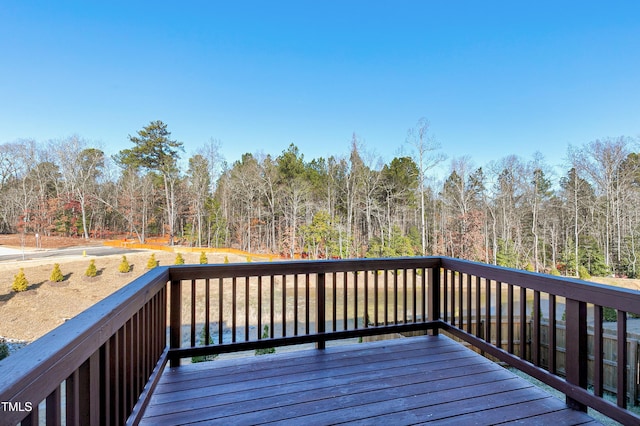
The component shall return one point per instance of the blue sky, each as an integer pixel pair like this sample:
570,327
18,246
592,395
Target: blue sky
493,78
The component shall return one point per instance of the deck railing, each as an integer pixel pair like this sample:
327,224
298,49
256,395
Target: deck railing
101,366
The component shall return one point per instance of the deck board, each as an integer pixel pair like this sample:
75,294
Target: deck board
403,381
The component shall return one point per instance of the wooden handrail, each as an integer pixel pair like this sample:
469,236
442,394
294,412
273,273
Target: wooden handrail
110,356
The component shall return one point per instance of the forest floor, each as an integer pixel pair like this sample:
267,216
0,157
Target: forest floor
31,314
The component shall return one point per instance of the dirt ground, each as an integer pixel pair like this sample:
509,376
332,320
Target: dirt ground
31,314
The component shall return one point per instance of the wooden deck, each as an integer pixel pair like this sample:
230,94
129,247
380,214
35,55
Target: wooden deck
404,381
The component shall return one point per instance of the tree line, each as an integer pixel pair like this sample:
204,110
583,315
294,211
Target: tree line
511,212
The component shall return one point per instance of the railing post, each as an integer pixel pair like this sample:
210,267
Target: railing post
320,309
434,297
175,321
576,348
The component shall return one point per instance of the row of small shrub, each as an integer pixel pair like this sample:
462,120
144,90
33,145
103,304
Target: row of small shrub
20,282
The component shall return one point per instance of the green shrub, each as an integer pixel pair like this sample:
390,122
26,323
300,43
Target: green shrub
249,259
554,271
226,259
265,335
124,266
203,258
204,340
583,273
91,271
529,267
4,350
56,275
20,282
609,315
152,262
179,259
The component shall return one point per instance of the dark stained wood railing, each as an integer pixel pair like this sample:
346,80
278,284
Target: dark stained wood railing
100,367
526,296
94,368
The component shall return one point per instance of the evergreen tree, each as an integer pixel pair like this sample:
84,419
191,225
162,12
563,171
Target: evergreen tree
56,275
91,271
20,282
203,258
152,262
179,259
124,266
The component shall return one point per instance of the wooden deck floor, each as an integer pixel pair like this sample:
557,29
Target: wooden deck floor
404,381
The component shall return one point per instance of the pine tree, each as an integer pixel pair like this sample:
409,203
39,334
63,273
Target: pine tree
92,271
152,262
179,259
124,266
226,259
56,275
203,258
20,282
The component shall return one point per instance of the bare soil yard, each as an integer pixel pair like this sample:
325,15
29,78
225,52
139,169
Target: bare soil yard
31,314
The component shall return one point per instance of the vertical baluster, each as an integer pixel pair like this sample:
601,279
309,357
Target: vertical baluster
320,309
355,299
444,293
423,295
307,307
246,309
460,301
345,300
53,414
535,339
434,296
404,296
71,398
193,313
33,418
510,319
162,324
451,287
135,356
234,306
478,307
487,311
498,309
105,375
272,313
395,296
284,306
415,295
598,364
122,377
207,311
386,297
366,318
552,334
220,311
259,315
621,365
375,298
295,305
523,323
175,333
576,354
334,301
469,330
